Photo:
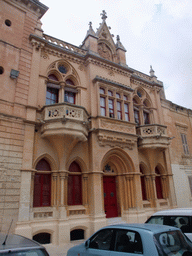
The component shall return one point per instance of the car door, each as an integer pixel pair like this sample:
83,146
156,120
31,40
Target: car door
100,244
127,243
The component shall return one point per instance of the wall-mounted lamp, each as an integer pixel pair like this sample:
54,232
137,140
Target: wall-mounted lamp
14,73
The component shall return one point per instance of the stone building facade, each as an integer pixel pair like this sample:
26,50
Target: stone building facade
85,140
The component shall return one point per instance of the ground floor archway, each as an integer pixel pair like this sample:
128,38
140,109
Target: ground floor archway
110,196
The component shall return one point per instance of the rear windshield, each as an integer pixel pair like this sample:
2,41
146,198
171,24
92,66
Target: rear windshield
32,252
171,243
182,222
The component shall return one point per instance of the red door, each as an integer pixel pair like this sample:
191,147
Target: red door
110,198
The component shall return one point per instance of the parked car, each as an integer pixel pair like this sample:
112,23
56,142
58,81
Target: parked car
134,239
179,217
15,245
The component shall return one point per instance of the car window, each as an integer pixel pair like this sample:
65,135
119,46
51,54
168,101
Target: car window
181,222
156,220
34,252
102,240
170,242
128,241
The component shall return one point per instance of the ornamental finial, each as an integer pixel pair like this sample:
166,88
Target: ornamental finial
103,15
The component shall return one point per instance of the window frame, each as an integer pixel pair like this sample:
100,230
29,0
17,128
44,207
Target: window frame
74,178
42,174
184,143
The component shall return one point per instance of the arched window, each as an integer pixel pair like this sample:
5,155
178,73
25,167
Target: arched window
74,185
70,92
52,93
146,115
158,184
42,238
42,184
143,186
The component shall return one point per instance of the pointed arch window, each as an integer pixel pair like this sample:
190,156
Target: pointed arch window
75,184
158,184
42,184
70,92
52,93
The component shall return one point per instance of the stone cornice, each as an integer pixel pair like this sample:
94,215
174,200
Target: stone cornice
145,82
35,5
106,81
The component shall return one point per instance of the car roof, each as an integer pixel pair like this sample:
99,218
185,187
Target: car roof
17,241
154,228
176,211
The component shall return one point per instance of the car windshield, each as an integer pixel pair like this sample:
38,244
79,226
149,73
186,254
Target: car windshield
170,243
29,252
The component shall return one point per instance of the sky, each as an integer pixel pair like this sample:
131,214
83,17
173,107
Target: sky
154,32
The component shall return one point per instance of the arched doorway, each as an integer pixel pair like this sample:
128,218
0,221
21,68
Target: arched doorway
118,183
110,196
110,190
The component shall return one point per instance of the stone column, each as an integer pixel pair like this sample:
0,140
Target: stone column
153,191
85,190
54,189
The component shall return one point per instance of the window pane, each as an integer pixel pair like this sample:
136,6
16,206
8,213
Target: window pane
185,145
70,97
110,93
126,109
125,97
136,115
128,241
102,240
51,96
102,91
119,113
118,95
146,117
102,106
111,108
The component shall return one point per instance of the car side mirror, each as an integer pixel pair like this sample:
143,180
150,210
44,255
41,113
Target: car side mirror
87,243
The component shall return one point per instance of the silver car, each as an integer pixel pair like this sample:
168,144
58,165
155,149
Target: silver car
15,245
134,239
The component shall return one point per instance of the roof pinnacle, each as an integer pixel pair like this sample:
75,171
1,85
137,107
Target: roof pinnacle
103,15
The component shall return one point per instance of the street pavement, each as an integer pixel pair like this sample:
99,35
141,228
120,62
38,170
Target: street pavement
55,250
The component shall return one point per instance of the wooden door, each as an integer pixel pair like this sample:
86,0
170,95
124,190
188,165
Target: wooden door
110,198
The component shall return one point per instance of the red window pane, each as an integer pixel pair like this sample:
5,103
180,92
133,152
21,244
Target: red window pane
158,184
53,77
74,185
42,190
42,185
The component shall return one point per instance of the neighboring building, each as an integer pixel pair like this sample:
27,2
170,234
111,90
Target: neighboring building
85,139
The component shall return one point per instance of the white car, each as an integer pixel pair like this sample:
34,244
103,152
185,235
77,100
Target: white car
134,239
15,245
179,217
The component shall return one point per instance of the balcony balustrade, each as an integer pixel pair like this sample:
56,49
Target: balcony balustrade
65,119
153,136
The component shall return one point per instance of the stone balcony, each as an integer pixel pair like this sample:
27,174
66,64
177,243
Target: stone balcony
64,119
152,136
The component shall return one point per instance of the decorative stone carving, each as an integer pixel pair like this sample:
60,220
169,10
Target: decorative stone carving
104,51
